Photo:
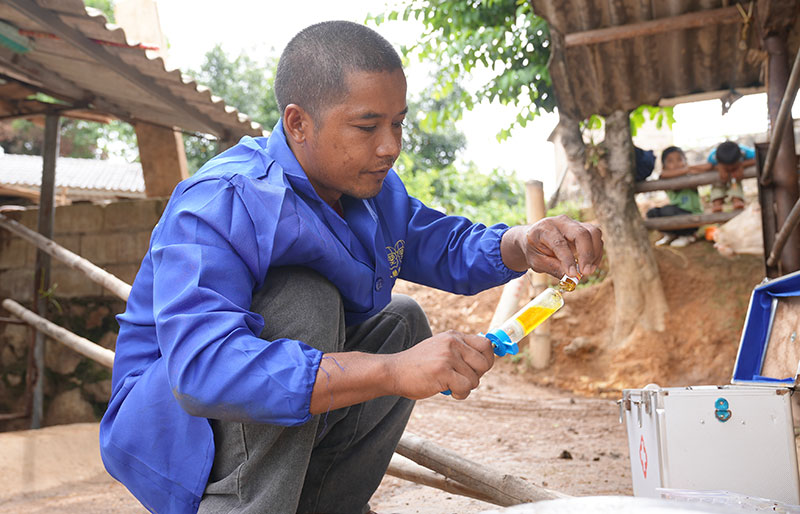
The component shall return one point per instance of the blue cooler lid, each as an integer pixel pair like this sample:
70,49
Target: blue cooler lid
758,324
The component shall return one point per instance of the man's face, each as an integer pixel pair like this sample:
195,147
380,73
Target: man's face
674,161
350,149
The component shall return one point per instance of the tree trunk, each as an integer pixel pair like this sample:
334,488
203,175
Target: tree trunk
607,172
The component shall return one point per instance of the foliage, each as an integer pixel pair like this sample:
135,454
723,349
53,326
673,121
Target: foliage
427,146
494,197
79,139
104,6
428,168
501,36
569,208
243,83
661,115
638,118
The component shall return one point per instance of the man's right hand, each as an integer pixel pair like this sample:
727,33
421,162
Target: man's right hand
451,360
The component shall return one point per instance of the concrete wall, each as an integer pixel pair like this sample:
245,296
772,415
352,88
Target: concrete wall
113,236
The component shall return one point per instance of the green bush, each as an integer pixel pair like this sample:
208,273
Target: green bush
493,197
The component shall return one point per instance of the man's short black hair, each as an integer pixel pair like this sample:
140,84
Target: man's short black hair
728,153
671,149
312,68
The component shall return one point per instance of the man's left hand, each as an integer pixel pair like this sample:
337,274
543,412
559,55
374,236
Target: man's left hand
557,245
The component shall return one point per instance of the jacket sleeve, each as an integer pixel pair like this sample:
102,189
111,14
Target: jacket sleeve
452,253
207,259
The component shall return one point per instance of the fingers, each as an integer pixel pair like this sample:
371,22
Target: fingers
472,357
588,242
556,243
549,251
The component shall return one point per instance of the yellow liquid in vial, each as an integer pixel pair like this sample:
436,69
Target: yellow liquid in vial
532,317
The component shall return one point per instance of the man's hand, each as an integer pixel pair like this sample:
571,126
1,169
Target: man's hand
553,245
450,360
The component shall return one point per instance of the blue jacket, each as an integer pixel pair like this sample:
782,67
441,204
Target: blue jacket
188,347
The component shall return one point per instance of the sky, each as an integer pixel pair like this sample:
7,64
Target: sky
194,27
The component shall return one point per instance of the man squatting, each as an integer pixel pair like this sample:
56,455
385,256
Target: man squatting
263,364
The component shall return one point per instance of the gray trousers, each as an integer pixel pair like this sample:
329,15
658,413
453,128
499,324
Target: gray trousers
334,462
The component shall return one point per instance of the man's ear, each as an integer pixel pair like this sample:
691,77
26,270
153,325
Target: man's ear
296,123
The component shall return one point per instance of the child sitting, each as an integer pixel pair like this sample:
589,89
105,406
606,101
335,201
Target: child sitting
684,201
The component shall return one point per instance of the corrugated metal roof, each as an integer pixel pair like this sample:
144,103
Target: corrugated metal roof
82,176
622,74
142,89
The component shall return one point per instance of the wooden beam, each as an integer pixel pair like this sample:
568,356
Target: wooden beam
55,85
107,59
23,192
688,220
708,95
691,20
782,119
685,181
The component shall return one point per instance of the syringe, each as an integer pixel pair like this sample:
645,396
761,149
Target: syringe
505,337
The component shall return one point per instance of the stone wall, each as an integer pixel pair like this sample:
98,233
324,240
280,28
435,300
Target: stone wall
113,236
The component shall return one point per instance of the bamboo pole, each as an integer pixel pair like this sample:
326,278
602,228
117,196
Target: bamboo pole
505,490
83,346
783,235
539,340
784,114
509,301
406,469
74,261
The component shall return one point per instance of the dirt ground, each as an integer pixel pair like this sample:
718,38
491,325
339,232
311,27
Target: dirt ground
525,422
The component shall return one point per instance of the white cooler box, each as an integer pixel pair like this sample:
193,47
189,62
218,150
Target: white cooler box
739,437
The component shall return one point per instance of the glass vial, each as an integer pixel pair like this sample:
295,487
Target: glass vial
506,336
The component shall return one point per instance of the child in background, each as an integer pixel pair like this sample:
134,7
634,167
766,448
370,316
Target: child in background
684,201
730,160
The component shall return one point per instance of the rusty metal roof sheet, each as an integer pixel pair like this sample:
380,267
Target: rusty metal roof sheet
78,56
706,53
82,177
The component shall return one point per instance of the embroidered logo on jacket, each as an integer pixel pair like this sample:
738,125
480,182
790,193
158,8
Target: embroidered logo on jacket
395,256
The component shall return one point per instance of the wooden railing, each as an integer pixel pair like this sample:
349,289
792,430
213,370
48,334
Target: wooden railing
685,182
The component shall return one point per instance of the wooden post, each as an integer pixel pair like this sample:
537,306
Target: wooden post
539,341
782,119
163,158
41,277
785,169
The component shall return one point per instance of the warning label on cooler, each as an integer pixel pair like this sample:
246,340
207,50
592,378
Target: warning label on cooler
643,456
